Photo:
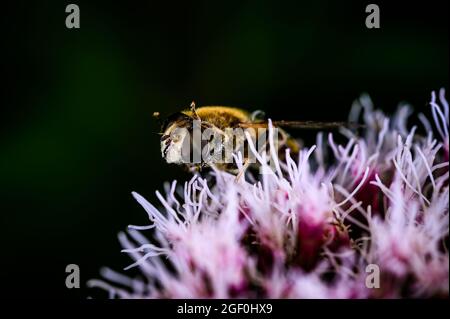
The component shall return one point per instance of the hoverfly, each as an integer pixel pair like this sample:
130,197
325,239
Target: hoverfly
224,125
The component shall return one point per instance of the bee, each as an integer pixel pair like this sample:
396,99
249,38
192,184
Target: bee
228,129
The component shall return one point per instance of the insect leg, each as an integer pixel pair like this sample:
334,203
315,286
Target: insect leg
243,170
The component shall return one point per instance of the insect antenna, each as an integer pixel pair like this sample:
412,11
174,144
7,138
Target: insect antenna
193,110
157,116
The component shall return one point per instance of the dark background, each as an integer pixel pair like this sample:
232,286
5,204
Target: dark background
76,133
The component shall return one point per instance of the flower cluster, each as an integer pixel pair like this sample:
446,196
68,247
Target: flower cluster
312,227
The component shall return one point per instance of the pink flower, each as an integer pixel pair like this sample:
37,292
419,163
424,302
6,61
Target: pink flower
297,232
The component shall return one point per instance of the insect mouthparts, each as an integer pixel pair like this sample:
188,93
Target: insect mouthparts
164,137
